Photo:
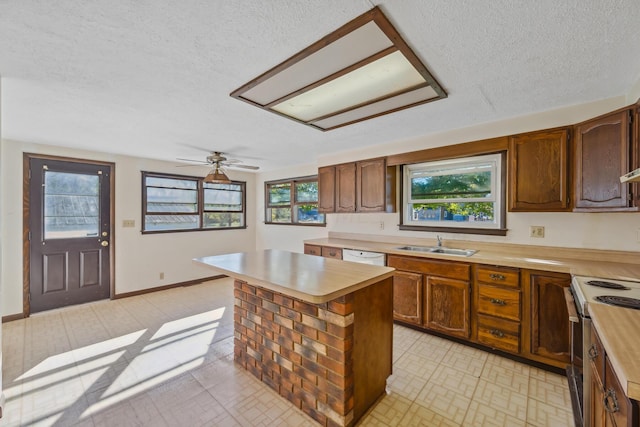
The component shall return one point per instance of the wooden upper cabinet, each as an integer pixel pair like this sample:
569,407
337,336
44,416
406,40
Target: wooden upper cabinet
346,187
539,171
327,189
371,185
603,153
364,186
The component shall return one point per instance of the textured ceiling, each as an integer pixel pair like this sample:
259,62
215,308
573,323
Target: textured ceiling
152,78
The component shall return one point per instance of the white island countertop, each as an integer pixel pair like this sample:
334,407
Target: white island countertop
310,278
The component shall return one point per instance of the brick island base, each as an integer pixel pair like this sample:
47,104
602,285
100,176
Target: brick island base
331,360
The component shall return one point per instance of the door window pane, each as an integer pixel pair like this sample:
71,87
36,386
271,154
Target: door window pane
71,205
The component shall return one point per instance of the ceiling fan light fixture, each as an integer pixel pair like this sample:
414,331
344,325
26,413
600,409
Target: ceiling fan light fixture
216,176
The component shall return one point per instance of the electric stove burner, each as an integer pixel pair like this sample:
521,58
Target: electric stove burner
619,301
608,285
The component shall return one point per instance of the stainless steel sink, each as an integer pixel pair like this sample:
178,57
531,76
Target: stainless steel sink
438,250
416,248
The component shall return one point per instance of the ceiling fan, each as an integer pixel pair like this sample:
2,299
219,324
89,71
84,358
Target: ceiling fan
219,162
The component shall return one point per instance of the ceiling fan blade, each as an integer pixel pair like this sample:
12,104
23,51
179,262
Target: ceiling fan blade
233,165
195,147
193,161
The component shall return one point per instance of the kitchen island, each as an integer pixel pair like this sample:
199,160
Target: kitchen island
317,331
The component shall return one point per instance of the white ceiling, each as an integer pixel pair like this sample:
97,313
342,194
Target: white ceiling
152,78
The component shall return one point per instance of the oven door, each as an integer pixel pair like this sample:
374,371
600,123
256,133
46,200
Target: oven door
575,369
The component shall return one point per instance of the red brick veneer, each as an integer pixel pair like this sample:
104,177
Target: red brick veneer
302,351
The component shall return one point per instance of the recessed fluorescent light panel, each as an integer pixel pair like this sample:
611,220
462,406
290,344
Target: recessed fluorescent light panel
360,71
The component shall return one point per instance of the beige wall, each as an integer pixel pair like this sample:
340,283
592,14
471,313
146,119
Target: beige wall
2,311
139,259
614,231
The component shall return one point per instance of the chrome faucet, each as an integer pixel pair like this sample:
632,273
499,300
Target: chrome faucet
439,241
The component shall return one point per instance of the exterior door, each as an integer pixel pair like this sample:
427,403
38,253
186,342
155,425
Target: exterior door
69,233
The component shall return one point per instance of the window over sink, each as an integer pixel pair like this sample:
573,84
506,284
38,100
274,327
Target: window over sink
464,195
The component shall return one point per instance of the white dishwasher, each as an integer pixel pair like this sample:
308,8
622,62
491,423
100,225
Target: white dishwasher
363,257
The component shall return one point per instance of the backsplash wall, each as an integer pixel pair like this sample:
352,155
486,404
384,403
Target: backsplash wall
609,231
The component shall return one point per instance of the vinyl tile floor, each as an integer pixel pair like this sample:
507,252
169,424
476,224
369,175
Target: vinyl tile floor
166,359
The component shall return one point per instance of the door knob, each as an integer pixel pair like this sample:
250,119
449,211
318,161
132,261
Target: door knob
104,243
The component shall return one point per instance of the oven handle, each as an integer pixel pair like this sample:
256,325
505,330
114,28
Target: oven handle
571,306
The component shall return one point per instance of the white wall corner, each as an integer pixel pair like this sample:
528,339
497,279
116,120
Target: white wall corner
634,93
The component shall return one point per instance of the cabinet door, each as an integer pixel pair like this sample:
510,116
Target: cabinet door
602,156
407,297
538,171
615,402
370,185
447,306
549,324
327,189
346,187
596,412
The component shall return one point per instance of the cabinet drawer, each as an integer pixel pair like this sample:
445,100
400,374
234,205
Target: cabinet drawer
331,252
596,355
499,333
313,250
499,302
503,276
452,270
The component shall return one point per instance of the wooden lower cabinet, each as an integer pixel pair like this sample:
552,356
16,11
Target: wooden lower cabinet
499,333
597,414
325,251
329,252
312,249
447,306
424,297
610,406
407,297
548,338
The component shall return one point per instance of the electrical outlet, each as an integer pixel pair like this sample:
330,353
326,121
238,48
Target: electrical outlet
162,276
128,223
381,225
638,235
536,231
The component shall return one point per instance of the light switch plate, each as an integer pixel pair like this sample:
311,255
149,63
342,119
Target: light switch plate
128,223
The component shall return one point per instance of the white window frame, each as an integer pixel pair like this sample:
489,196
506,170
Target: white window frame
446,167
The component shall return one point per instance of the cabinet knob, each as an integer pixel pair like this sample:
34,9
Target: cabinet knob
496,333
498,301
611,401
593,352
495,276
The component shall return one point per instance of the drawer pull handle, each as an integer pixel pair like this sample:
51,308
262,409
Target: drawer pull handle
498,301
611,401
495,276
332,253
496,333
593,352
